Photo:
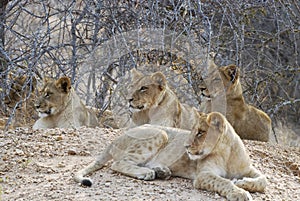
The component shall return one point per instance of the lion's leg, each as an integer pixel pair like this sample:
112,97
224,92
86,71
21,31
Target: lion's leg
130,168
162,172
92,167
148,142
41,124
212,182
254,181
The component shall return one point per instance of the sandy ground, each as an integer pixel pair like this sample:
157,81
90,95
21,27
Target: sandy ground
38,166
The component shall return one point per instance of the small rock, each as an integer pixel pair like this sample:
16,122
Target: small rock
85,153
169,191
19,152
49,170
72,152
61,165
58,138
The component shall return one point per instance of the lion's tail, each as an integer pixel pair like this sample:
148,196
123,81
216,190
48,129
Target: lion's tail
97,164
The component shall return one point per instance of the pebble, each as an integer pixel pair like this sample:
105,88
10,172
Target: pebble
58,138
19,152
72,152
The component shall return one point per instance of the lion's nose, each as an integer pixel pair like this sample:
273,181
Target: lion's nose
37,105
187,146
130,100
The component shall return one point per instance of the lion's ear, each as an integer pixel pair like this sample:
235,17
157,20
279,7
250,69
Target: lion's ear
159,78
231,72
212,55
63,84
216,121
135,75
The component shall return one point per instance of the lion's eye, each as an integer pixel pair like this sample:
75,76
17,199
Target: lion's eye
200,133
143,89
47,94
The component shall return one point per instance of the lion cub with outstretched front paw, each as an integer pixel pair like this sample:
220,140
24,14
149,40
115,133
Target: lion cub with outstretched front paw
212,155
60,107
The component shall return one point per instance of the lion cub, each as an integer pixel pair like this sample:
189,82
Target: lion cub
59,106
152,101
213,154
249,122
19,101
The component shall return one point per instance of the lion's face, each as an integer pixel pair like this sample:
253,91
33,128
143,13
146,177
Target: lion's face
226,77
205,135
53,96
145,91
21,89
230,76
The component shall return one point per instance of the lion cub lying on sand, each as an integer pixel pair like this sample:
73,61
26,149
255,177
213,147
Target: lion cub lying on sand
152,101
212,155
59,106
249,122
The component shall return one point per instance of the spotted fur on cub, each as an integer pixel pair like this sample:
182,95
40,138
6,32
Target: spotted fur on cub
213,156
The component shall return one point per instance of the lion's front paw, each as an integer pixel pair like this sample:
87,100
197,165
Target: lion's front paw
162,172
252,184
148,176
239,195
242,183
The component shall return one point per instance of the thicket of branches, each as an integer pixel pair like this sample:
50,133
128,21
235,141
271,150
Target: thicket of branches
54,38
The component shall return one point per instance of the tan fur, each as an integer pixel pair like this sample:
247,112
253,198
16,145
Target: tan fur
19,90
106,118
152,101
20,102
59,106
249,122
212,155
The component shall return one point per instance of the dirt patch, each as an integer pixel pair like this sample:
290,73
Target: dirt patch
39,165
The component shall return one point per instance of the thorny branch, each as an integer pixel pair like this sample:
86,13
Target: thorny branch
57,38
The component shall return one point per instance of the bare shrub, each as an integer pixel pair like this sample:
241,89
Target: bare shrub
54,38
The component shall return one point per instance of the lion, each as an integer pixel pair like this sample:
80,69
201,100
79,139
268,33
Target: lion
249,122
59,106
20,89
151,101
19,101
212,155
106,118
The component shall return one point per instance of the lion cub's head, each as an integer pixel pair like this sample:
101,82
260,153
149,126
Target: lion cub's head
205,135
53,96
146,91
229,75
21,88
